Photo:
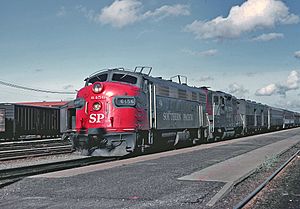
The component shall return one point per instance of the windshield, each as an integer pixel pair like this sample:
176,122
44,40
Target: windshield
124,78
99,78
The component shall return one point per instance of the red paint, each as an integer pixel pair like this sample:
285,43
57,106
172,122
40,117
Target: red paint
116,119
209,105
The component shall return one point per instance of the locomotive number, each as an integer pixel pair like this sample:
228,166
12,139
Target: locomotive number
96,118
98,97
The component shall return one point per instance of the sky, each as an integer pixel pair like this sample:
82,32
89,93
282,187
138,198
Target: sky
250,49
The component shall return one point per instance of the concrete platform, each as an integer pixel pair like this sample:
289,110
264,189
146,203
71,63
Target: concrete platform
104,166
239,167
147,181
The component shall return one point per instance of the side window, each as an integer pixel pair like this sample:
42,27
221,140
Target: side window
222,101
209,98
216,100
145,86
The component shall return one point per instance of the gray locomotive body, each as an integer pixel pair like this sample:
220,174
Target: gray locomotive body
223,115
177,112
254,116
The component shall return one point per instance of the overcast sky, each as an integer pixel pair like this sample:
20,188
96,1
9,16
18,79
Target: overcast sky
250,49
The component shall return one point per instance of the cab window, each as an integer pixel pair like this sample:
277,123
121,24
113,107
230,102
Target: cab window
145,86
222,100
216,100
99,78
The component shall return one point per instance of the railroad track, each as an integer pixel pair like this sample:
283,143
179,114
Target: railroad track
255,192
11,175
33,148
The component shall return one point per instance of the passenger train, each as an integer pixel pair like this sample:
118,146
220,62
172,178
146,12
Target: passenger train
119,112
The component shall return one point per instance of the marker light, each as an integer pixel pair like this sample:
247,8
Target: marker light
97,106
97,88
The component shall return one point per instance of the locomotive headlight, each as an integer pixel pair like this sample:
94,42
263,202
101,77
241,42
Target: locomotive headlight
125,101
97,106
97,88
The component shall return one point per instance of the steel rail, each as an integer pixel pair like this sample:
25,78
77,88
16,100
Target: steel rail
11,175
29,141
34,148
248,198
26,153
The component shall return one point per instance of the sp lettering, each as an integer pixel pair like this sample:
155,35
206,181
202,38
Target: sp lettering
96,118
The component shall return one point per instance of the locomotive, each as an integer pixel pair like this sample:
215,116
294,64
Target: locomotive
119,112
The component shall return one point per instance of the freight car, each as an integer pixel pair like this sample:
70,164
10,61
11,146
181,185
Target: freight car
119,112
67,117
67,120
18,120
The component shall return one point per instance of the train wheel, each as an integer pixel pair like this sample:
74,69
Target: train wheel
196,141
246,132
85,152
70,138
141,143
204,136
65,137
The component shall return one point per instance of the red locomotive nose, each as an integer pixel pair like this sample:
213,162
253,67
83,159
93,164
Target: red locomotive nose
114,102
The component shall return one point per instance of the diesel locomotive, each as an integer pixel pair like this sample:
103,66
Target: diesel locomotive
119,112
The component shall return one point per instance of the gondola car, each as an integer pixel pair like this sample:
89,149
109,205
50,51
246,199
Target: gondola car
20,121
